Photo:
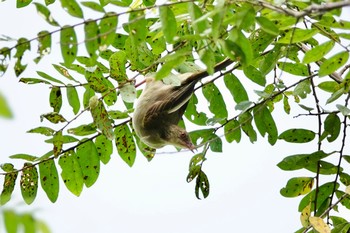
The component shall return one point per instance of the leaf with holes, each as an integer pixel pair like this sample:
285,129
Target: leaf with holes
9,183
107,28
72,7
44,12
217,104
69,44
192,114
202,184
29,183
56,99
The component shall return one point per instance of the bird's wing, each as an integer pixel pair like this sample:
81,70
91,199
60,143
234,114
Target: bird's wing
172,105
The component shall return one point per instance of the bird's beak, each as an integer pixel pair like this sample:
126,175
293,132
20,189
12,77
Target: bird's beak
191,147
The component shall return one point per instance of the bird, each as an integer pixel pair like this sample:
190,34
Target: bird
161,106
159,109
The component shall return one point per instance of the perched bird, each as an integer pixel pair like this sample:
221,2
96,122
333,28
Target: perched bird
159,110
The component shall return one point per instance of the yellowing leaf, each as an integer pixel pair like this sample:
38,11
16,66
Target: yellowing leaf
319,225
305,215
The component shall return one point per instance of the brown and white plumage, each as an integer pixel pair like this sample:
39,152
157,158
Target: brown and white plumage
159,110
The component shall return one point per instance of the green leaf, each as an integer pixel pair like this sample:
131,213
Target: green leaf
329,86
69,43
296,35
22,3
64,139
323,194
255,75
267,25
193,173
318,52
196,13
72,7
91,39
73,98
323,167
170,64
297,186
96,80
232,131
302,89
56,99
49,179
331,128
148,2
88,159
294,68
235,87
208,58
102,120
71,174
57,142
44,45
33,81
335,95
8,186
245,121
5,110
265,124
299,161
122,3
26,157
93,6
44,12
104,148
216,102
29,183
191,113
128,93
88,94
168,21
297,135
83,130
344,110
202,184
107,28
11,220
125,144
28,223
64,72
53,117
48,77
333,63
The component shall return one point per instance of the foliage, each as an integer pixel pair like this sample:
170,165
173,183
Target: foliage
14,221
294,53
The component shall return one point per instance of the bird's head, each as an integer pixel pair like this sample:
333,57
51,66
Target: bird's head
178,137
